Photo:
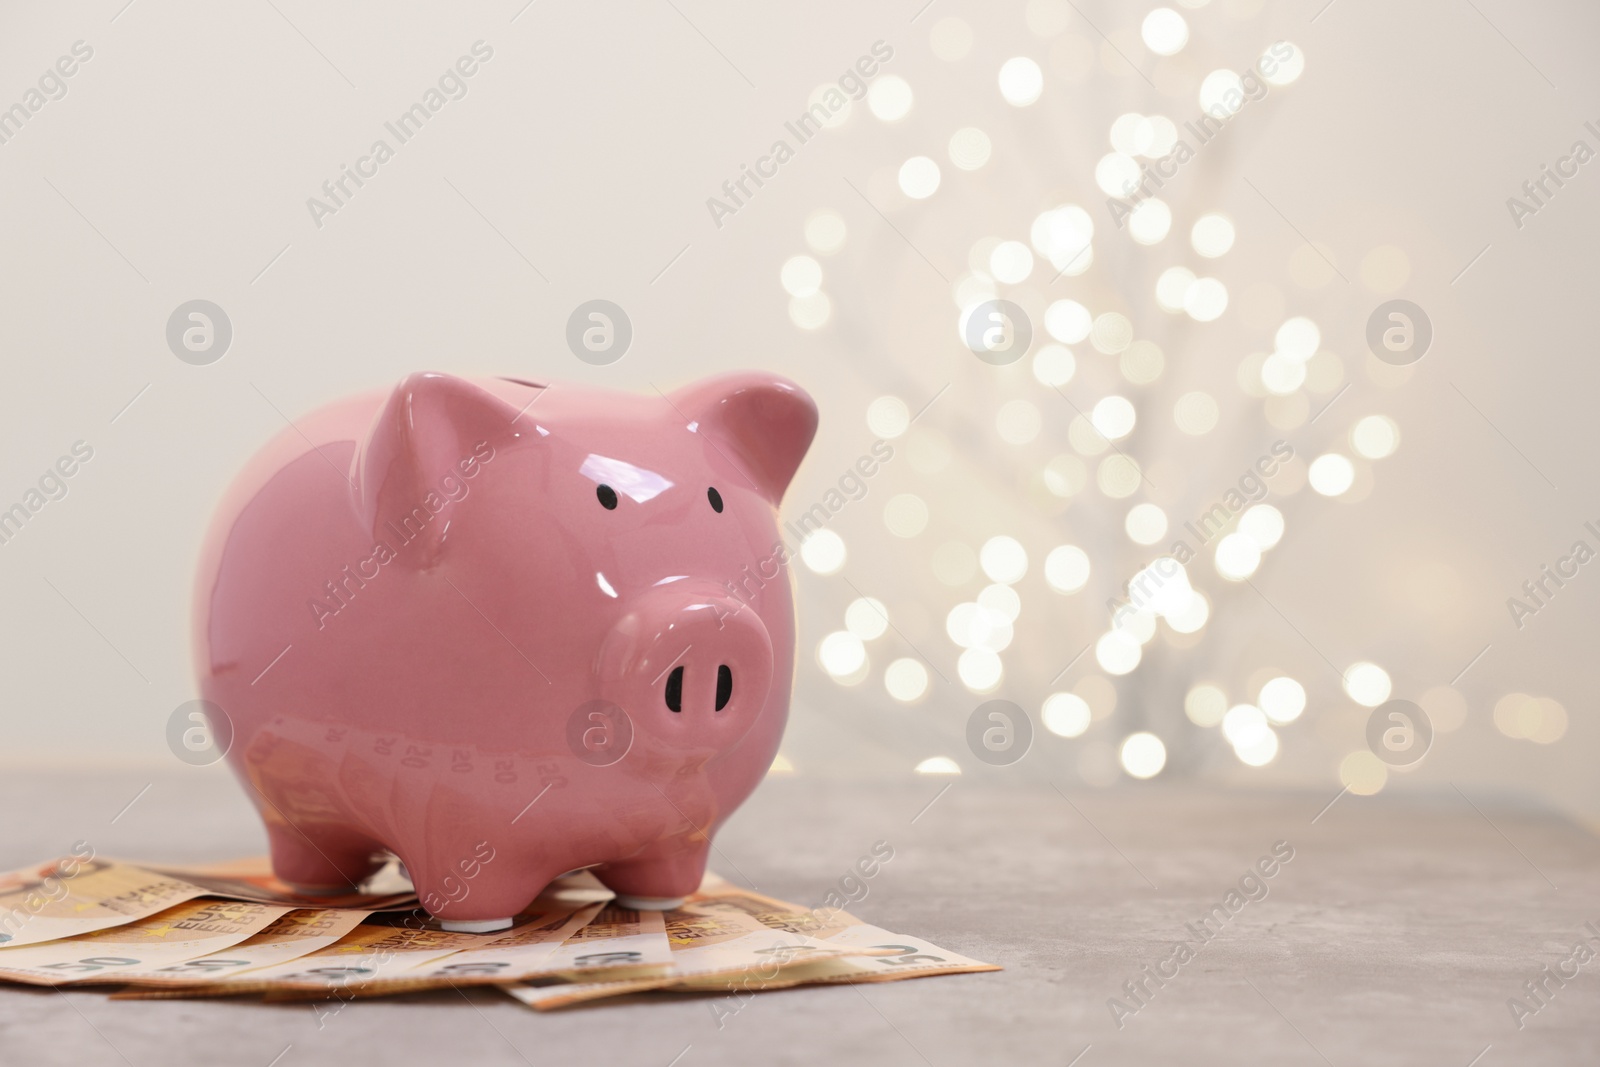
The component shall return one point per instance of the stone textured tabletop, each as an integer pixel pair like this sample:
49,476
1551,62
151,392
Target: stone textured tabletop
1395,934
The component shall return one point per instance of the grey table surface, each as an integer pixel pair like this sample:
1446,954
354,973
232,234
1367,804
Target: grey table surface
1395,935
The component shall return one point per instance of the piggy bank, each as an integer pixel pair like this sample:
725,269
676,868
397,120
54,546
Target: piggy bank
505,629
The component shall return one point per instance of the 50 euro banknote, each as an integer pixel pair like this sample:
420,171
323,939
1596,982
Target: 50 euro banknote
722,936
81,893
403,953
183,932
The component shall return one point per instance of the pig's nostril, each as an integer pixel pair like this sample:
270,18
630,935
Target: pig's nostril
724,686
675,689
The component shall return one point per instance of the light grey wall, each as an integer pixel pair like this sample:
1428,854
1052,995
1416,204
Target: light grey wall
578,165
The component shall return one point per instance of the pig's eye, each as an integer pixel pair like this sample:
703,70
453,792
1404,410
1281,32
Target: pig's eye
608,497
715,498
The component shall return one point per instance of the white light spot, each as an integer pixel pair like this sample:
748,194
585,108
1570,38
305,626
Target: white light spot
1143,755
1244,724
1222,94
1117,652
888,417
1263,524
1282,374
1172,287
905,514
1112,332
801,275
810,312
979,669
1131,134
1279,71
1011,262
1068,321
823,552
1260,752
1237,557
1018,422
1116,174
841,653
1118,476
969,148
950,39
1001,599
1054,365
1192,616
1283,699
919,177
906,680
1164,31
1367,684
1375,437
866,617
1298,338
825,232
1146,524
938,765
1205,704
890,98
1206,300
1195,413
1021,81
1212,235
1114,417
1065,714
1331,474
1150,221
1003,559
1066,568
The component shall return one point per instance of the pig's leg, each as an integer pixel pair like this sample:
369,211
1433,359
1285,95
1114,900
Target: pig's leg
659,877
327,866
482,897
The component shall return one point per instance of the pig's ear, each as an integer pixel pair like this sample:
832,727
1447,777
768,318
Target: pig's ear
430,434
761,421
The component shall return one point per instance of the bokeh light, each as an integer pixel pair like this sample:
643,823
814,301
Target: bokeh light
1164,31
1282,699
825,232
1205,704
1331,474
888,417
906,680
867,618
1021,81
1066,568
919,177
1003,559
1367,684
1143,755
1054,365
823,552
1065,714
1212,235
969,148
1117,652
890,98
1375,437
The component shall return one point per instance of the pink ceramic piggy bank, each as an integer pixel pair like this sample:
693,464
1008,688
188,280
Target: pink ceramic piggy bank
505,630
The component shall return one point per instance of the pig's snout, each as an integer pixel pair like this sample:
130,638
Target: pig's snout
691,666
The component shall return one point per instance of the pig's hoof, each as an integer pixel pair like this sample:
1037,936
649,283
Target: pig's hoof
305,889
648,903
474,926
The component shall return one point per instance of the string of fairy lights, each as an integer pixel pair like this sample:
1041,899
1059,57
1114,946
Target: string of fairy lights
1061,243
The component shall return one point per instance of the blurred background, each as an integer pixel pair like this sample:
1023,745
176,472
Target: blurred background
1233,355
